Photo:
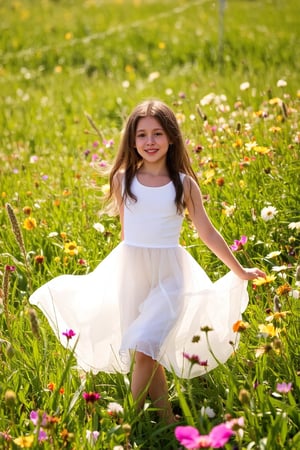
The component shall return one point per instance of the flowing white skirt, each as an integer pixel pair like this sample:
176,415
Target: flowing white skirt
152,300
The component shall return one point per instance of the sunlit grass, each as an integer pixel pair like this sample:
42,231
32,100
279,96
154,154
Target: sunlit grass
238,104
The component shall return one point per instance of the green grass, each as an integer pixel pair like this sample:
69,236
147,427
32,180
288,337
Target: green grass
60,59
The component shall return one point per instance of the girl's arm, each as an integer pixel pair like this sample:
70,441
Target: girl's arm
117,193
209,235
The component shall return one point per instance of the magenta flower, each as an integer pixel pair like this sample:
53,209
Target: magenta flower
91,397
69,334
190,437
10,268
239,244
194,359
284,388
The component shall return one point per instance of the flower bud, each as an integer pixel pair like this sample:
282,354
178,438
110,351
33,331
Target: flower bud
244,397
10,398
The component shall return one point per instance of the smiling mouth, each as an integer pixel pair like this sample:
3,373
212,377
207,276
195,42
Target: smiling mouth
151,150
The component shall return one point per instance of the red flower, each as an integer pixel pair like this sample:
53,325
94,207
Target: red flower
91,397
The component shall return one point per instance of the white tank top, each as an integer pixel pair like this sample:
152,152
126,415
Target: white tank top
152,221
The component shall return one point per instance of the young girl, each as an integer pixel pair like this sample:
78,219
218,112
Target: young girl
145,302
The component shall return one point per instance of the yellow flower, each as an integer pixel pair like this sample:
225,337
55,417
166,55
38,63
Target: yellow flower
284,289
29,223
161,45
260,280
68,36
277,315
275,101
268,330
24,441
105,189
71,248
262,150
275,129
209,175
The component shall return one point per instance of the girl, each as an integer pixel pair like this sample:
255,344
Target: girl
144,303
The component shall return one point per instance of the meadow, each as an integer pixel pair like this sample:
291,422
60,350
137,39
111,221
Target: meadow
70,73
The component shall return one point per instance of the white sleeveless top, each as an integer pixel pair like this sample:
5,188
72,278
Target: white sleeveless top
152,221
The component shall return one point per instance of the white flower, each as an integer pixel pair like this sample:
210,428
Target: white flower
53,234
99,227
294,226
244,86
273,254
268,213
207,99
153,76
279,268
92,436
294,293
209,412
115,408
281,83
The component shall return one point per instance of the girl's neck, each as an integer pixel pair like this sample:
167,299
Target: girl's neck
153,176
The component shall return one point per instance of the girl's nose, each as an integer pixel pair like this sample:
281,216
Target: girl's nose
150,140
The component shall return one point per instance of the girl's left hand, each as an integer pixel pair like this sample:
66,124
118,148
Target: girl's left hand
252,273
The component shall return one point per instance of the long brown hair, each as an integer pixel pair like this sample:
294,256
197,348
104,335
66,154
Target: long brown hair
129,160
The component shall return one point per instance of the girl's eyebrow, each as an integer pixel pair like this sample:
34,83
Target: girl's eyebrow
154,129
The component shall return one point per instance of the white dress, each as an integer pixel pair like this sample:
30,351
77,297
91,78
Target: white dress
149,294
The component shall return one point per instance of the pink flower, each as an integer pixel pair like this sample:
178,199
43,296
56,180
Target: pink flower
194,359
38,418
91,397
190,437
239,244
10,268
284,388
69,334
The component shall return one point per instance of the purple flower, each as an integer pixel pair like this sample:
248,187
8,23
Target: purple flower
69,334
92,436
38,418
239,244
42,435
284,388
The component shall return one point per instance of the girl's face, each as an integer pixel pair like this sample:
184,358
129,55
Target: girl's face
151,140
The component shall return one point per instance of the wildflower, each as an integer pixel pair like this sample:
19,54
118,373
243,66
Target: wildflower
239,326
281,83
51,386
260,280
261,149
268,213
39,259
239,244
4,435
10,268
273,254
82,262
190,437
91,397
99,227
220,181
24,441
69,334
244,86
38,418
244,397
92,436
114,408
294,226
268,330
228,210
10,398
27,210
29,223
263,350
284,289
207,411
283,388
194,359
71,248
